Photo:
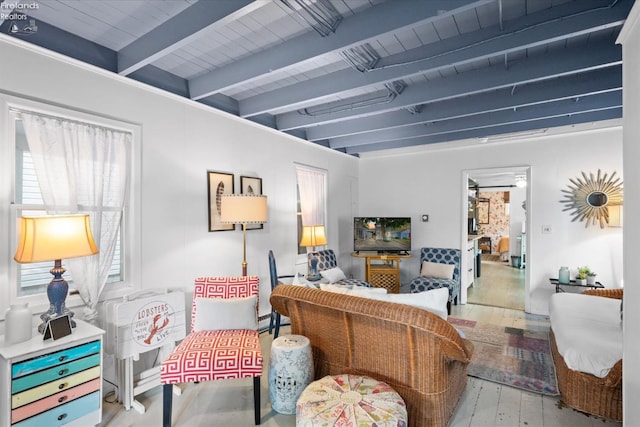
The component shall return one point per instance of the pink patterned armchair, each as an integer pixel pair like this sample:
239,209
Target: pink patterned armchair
209,353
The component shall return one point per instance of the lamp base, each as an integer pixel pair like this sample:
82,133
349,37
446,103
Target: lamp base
57,291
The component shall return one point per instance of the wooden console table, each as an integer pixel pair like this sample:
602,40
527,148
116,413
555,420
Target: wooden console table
382,270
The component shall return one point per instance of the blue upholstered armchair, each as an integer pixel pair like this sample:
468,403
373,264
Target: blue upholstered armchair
441,256
327,260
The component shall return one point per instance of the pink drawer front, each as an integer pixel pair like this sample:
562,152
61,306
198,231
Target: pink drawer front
54,400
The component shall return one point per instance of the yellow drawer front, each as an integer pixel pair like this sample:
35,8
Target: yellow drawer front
52,387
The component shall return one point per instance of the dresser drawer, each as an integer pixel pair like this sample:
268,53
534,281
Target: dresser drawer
64,413
52,374
53,387
57,399
53,359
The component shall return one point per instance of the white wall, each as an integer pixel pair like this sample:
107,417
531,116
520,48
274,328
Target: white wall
430,180
181,140
630,38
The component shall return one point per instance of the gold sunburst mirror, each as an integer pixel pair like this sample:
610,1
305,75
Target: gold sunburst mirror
590,198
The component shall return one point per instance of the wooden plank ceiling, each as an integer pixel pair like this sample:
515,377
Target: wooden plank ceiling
424,72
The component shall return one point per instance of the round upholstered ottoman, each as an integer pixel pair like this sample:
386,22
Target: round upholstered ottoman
290,371
350,400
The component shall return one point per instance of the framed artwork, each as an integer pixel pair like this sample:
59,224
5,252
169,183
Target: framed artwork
251,185
483,211
218,183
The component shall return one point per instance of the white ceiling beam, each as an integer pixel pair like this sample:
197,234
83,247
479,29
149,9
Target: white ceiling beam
181,30
559,23
352,31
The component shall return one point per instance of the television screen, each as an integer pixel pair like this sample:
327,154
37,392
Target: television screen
382,234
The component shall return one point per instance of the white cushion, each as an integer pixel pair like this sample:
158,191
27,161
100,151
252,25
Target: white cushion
333,274
437,270
588,331
362,291
434,300
226,313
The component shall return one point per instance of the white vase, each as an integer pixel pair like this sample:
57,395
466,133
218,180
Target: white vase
18,323
581,282
591,280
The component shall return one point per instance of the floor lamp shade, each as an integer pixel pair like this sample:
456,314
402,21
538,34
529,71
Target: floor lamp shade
52,238
243,209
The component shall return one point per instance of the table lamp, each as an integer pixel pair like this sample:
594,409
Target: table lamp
312,236
243,209
52,238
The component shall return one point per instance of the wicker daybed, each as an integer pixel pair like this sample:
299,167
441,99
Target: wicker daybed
416,352
587,392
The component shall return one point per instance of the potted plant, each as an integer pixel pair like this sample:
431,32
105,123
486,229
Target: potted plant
591,278
581,277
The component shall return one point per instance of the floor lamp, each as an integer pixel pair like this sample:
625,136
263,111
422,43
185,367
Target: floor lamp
52,238
312,236
243,209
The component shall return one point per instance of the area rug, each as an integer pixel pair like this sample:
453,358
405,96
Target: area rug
515,357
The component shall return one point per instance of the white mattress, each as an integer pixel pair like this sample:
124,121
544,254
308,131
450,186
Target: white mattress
588,331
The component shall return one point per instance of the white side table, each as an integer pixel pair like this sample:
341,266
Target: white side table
290,371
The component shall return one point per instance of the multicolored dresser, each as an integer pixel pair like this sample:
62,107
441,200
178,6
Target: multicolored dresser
52,383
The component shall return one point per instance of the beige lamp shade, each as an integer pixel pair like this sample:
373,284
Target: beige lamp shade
54,237
313,235
243,209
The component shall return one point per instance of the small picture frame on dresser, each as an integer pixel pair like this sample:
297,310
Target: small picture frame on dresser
57,327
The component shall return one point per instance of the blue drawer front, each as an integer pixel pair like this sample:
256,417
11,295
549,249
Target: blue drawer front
53,359
64,414
61,371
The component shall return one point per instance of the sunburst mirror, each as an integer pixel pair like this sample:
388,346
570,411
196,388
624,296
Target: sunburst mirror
590,197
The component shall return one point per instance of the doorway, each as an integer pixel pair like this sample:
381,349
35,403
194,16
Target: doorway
496,219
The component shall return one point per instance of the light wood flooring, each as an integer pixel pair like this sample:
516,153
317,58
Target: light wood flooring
499,285
483,404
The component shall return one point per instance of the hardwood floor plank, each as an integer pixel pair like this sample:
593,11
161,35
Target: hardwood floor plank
531,410
508,410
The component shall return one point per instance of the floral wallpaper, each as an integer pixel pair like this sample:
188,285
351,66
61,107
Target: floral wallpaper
498,225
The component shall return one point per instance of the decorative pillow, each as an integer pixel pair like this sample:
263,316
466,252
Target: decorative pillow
359,291
333,274
434,300
226,313
437,270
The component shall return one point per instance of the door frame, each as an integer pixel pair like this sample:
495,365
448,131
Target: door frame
466,173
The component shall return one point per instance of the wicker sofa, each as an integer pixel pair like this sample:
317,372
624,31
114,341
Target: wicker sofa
416,352
586,392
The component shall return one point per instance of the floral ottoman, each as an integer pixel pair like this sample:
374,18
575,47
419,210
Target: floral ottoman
350,401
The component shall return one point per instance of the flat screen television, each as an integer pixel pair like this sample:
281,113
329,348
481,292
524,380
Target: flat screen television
382,234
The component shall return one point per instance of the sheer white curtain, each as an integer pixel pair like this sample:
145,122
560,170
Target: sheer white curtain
311,184
83,167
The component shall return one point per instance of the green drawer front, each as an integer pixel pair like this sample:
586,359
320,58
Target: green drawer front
65,413
61,371
53,359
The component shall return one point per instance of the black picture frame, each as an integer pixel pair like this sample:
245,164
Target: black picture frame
251,185
482,210
218,183
57,327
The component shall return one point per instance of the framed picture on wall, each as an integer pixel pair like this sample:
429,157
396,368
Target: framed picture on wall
483,211
251,185
218,183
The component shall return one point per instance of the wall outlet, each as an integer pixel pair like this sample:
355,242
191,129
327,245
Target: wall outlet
546,229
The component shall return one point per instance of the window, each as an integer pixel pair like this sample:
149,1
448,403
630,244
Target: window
27,196
311,199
